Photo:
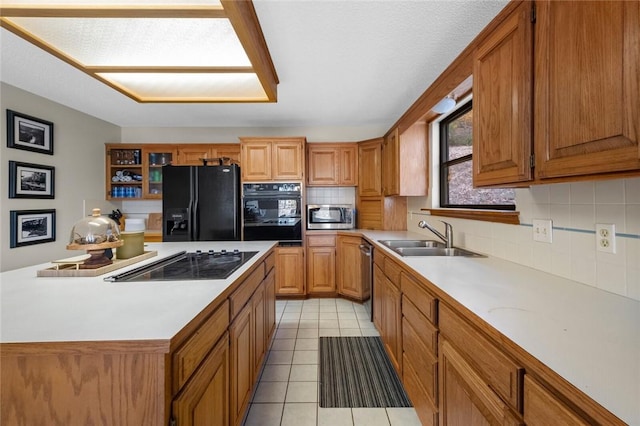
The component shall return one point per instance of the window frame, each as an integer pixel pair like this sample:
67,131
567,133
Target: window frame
445,164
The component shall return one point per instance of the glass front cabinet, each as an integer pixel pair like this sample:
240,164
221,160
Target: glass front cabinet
135,171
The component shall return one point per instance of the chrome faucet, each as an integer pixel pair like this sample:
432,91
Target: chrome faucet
448,232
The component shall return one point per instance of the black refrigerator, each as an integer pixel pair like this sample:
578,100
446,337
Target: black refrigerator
201,203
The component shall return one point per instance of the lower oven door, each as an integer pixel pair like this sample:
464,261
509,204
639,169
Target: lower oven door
279,230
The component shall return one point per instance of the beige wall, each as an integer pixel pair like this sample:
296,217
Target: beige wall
79,172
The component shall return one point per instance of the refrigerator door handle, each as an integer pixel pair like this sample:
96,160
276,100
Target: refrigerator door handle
195,216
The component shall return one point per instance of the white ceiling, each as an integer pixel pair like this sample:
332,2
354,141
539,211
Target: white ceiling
340,63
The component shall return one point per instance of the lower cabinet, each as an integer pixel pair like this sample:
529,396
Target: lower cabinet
541,407
290,271
387,312
242,370
349,273
321,264
205,399
466,397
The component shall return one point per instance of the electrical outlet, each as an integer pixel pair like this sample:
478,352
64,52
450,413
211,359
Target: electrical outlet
606,237
542,230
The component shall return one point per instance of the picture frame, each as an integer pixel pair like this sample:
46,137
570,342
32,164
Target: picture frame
30,227
29,133
28,180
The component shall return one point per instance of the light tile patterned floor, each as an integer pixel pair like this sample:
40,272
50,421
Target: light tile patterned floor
287,393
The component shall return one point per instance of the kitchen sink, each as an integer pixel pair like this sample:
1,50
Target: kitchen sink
392,244
435,251
426,248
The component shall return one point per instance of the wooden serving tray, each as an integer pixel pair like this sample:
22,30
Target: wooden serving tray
69,270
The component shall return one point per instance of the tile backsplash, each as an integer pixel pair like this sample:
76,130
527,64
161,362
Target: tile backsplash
331,195
575,209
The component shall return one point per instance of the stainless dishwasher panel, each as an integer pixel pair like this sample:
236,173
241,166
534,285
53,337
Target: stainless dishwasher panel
366,264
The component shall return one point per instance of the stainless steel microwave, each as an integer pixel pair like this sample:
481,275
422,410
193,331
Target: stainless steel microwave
330,216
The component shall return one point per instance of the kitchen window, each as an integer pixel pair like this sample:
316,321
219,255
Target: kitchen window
456,167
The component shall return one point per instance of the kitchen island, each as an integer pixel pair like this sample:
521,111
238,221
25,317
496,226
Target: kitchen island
86,351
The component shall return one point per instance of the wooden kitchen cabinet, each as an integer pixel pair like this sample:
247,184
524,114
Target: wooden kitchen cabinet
370,168
266,159
259,332
570,80
542,407
290,271
466,398
332,164
404,162
502,107
205,399
321,263
194,154
587,93
126,176
154,158
242,367
270,303
349,271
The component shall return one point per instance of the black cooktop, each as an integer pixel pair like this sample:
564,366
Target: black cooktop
183,266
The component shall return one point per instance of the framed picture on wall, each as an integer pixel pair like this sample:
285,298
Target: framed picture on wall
29,133
32,227
31,180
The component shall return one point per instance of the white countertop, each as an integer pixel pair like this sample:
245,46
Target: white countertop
588,336
43,309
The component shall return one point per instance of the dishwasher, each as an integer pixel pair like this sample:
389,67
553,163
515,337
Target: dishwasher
366,265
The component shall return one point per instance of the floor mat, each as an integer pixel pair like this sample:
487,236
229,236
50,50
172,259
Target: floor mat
356,372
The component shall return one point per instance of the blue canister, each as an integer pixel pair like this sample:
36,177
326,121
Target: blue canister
116,192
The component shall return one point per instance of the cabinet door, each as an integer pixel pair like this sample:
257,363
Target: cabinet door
290,271
323,166
241,363
465,399
205,400
349,271
124,171
255,158
587,92
392,324
287,161
153,160
390,165
259,328
193,155
370,168
321,269
270,303
542,408
379,295
502,107
231,151
348,166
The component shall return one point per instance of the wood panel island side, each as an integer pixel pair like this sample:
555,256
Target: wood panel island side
85,351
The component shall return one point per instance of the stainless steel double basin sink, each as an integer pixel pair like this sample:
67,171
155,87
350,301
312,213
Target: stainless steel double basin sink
426,248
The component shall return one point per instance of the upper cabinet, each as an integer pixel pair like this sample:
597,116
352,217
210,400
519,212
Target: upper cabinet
587,90
502,116
404,162
566,73
193,155
265,159
332,164
370,168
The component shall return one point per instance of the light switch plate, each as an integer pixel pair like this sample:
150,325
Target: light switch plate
542,230
606,237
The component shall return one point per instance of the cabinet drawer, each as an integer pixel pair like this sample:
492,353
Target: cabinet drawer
187,358
392,270
541,407
504,375
241,296
427,412
421,299
321,240
423,361
378,258
428,332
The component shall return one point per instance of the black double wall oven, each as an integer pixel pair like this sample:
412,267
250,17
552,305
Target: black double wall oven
272,211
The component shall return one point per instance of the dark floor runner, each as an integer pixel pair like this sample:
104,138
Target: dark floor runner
356,372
